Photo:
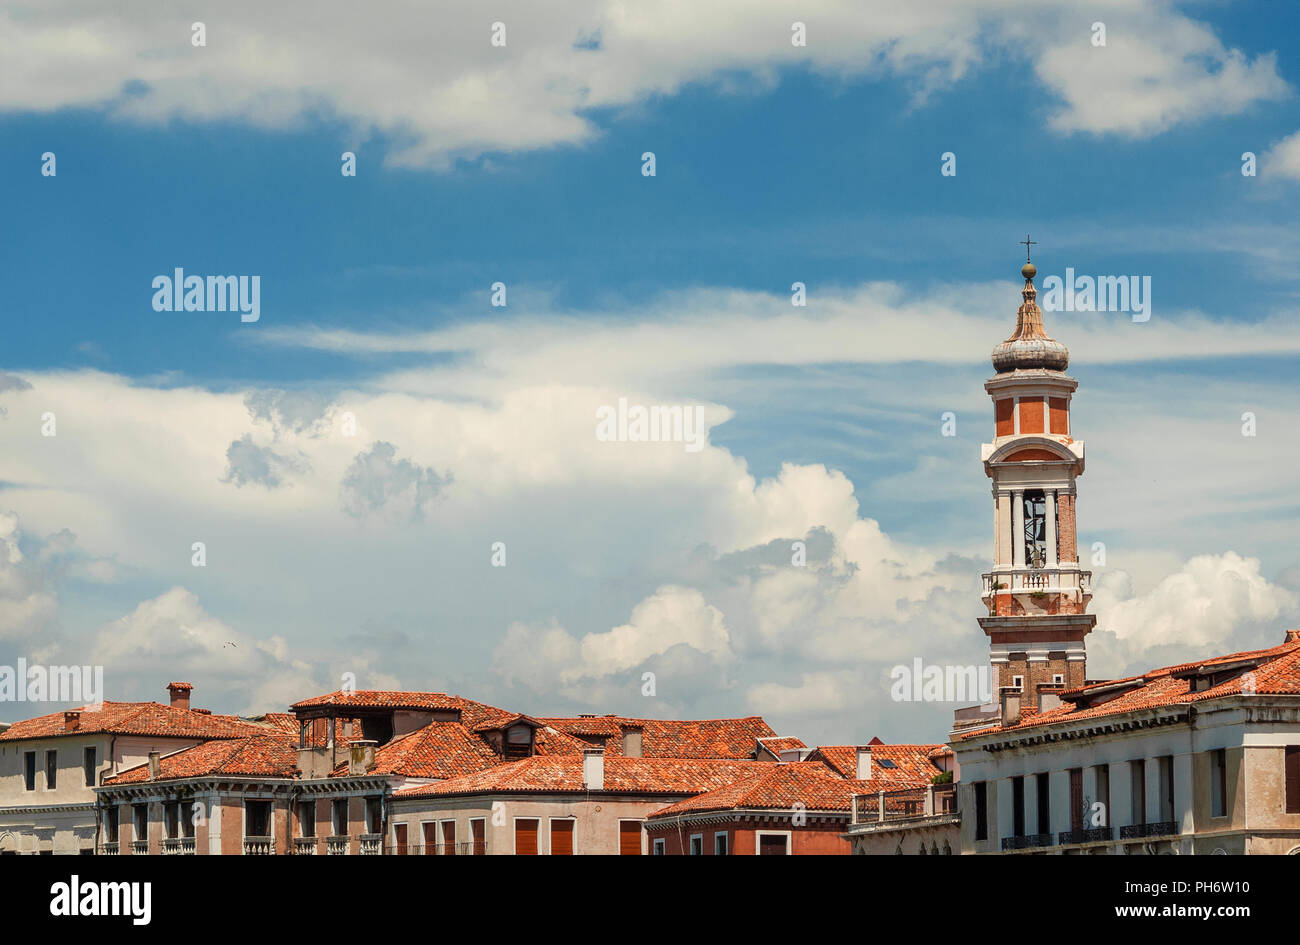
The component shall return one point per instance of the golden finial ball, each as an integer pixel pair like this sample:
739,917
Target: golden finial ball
1028,270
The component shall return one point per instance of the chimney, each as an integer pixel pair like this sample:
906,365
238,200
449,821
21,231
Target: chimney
155,765
361,756
631,743
593,769
864,764
71,721
180,693
1010,702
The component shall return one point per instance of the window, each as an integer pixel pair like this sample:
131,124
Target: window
307,818
1044,804
172,819
981,810
885,763
478,832
1292,767
187,819
1078,811
1103,794
720,844
629,838
773,844
449,837
562,837
140,822
257,818
430,829
1138,784
88,766
1166,788
373,816
526,836
1018,807
1018,682
1219,783
399,839
1058,679
697,844
339,817
659,848
110,824
51,770
29,770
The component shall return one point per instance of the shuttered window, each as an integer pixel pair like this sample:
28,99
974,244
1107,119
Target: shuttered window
562,837
1076,799
1293,779
399,836
629,837
477,829
525,837
449,837
430,839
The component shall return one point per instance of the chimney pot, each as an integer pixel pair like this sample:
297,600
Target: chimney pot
180,694
71,721
361,756
155,765
1010,699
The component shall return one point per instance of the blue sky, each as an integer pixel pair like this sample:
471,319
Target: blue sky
774,165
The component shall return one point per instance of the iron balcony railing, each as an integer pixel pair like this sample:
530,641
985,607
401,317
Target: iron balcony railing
461,848
1027,842
932,800
1087,835
1164,828
109,849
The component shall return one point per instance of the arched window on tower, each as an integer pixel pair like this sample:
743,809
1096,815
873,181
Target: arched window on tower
1035,528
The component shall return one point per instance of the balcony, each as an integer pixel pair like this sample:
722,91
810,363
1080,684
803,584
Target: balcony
1089,835
1027,842
1164,828
935,800
1075,584
179,846
304,846
336,846
463,848
109,849
372,844
258,846
140,847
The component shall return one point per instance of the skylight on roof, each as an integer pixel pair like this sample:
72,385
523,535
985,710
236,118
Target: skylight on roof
886,763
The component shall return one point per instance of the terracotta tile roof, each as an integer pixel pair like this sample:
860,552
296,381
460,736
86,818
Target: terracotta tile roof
910,762
283,722
439,750
384,699
774,746
563,774
662,738
136,718
259,756
1277,673
780,787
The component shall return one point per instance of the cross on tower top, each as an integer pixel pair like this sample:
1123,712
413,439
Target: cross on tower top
1027,243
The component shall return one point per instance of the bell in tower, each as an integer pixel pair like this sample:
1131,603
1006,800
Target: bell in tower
1037,595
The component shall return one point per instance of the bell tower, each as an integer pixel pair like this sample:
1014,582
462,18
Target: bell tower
1037,595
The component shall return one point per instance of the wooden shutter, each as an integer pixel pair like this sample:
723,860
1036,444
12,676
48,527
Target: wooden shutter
561,838
449,837
476,828
629,838
1293,779
1076,798
430,839
525,837
399,831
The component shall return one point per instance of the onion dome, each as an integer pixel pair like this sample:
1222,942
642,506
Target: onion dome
1029,347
